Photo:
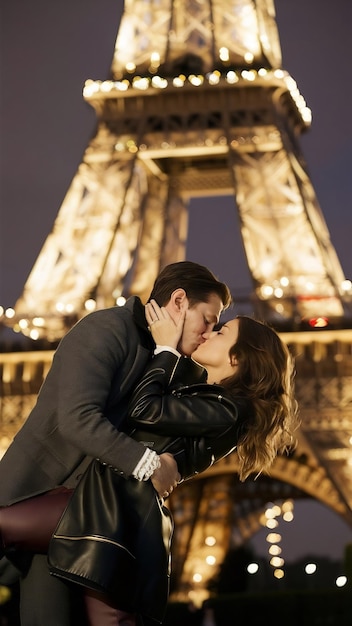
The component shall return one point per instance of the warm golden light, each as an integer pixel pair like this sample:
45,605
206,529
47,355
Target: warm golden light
276,510
159,82
122,86
210,559
274,550
310,568
252,568
277,561
210,540
272,523
232,77
273,538
214,78
248,75
107,86
287,506
93,87
38,321
141,83
130,67
155,58
248,57
90,304
266,291
178,81
196,80
224,54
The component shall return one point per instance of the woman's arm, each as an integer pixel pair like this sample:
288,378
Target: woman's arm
195,423
189,410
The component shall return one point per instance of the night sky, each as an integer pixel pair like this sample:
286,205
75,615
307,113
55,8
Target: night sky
49,49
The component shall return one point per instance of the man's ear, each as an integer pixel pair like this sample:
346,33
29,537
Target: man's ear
178,301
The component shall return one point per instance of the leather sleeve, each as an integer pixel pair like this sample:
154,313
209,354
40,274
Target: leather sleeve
192,410
198,422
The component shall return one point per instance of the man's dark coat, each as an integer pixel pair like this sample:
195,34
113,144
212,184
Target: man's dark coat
82,401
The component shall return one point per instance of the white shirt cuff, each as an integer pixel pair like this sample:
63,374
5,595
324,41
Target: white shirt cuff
159,349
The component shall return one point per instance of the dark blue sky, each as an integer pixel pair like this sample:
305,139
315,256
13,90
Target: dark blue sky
49,49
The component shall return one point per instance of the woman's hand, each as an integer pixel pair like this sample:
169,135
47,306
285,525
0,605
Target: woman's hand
165,330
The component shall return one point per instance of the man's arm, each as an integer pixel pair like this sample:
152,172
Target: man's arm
89,360
80,405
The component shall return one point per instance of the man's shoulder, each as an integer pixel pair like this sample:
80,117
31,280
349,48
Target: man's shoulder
116,321
126,312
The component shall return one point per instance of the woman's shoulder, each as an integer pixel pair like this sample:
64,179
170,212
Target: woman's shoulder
188,372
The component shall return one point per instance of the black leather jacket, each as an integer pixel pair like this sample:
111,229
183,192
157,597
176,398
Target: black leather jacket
115,534
198,423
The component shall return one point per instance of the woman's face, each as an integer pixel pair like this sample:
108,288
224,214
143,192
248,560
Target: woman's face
214,352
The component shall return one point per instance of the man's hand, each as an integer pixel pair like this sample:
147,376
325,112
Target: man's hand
167,477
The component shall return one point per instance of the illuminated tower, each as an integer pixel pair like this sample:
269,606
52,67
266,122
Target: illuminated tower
198,104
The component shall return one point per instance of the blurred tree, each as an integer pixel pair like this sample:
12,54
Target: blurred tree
233,575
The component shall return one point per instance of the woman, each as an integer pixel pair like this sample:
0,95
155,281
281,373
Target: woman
255,369
247,404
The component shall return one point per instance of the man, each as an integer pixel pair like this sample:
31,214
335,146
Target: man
84,399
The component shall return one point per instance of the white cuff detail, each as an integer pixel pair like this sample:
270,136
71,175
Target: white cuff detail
159,349
147,465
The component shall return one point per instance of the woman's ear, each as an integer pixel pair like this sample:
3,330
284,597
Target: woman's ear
233,360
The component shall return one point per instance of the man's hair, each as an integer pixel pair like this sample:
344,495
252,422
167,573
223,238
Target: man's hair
197,281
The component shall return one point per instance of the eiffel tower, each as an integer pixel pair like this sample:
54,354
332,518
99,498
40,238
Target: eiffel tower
198,104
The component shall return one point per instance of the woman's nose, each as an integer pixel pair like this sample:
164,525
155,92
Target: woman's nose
207,334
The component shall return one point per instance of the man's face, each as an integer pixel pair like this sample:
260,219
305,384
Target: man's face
200,319
215,350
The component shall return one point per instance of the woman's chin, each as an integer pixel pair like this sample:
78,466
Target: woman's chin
197,358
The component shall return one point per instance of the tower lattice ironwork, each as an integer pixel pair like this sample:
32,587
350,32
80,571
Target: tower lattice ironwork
198,104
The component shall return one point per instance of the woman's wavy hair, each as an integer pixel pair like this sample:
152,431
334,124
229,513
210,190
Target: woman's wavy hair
265,375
